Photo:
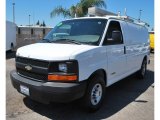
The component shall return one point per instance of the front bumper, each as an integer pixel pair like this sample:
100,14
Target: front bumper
46,92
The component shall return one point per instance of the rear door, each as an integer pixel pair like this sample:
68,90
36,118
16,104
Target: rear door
116,55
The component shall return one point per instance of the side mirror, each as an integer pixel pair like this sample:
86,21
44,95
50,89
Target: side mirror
116,36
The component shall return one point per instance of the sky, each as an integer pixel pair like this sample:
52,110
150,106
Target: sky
41,9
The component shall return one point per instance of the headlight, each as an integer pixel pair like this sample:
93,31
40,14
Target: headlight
62,67
63,71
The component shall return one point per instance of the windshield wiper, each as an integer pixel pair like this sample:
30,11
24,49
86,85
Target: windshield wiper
68,41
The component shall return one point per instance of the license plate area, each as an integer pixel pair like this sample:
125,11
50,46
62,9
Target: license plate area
24,90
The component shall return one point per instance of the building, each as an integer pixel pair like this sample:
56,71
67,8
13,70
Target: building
30,34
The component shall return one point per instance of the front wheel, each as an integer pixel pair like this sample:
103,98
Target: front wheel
94,94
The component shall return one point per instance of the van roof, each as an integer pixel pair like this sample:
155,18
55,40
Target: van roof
121,18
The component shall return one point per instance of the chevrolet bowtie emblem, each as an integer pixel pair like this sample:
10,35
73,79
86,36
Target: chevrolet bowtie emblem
28,67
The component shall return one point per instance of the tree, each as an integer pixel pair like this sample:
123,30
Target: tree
37,22
43,24
79,10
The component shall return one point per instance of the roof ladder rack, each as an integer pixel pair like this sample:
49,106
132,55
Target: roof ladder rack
94,11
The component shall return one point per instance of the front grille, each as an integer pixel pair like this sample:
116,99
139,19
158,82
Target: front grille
29,61
40,77
37,72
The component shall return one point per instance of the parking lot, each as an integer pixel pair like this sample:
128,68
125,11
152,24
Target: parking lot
129,99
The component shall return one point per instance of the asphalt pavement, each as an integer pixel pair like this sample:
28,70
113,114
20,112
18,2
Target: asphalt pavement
128,99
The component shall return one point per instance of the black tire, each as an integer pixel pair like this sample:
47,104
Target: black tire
12,47
142,71
88,99
151,50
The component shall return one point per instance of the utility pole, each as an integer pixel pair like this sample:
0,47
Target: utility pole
29,19
125,12
30,26
13,12
140,12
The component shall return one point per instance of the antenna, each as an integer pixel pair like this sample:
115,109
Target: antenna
140,12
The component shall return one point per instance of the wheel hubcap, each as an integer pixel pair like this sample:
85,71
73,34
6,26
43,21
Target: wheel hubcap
96,94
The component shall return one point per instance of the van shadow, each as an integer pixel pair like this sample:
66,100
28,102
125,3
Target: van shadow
117,97
10,54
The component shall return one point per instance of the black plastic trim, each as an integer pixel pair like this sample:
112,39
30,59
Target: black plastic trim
49,91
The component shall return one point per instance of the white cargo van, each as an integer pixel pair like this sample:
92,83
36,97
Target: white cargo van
79,58
10,35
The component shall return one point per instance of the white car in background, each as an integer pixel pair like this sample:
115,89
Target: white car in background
10,35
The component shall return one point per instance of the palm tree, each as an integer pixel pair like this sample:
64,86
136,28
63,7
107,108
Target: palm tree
79,10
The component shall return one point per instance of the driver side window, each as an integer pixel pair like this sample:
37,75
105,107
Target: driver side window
113,29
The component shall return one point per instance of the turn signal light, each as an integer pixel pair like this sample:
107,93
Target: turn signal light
62,77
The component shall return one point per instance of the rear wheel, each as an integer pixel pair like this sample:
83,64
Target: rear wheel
151,50
142,71
94,94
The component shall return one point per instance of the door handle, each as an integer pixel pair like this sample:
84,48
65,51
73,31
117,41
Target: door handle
124,49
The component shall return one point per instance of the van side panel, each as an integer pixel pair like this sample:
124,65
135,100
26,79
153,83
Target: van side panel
137,44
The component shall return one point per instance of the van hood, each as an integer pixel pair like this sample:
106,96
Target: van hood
52,51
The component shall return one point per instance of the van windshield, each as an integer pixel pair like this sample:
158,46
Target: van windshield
77,31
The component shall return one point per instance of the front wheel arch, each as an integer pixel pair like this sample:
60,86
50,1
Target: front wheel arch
99,72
